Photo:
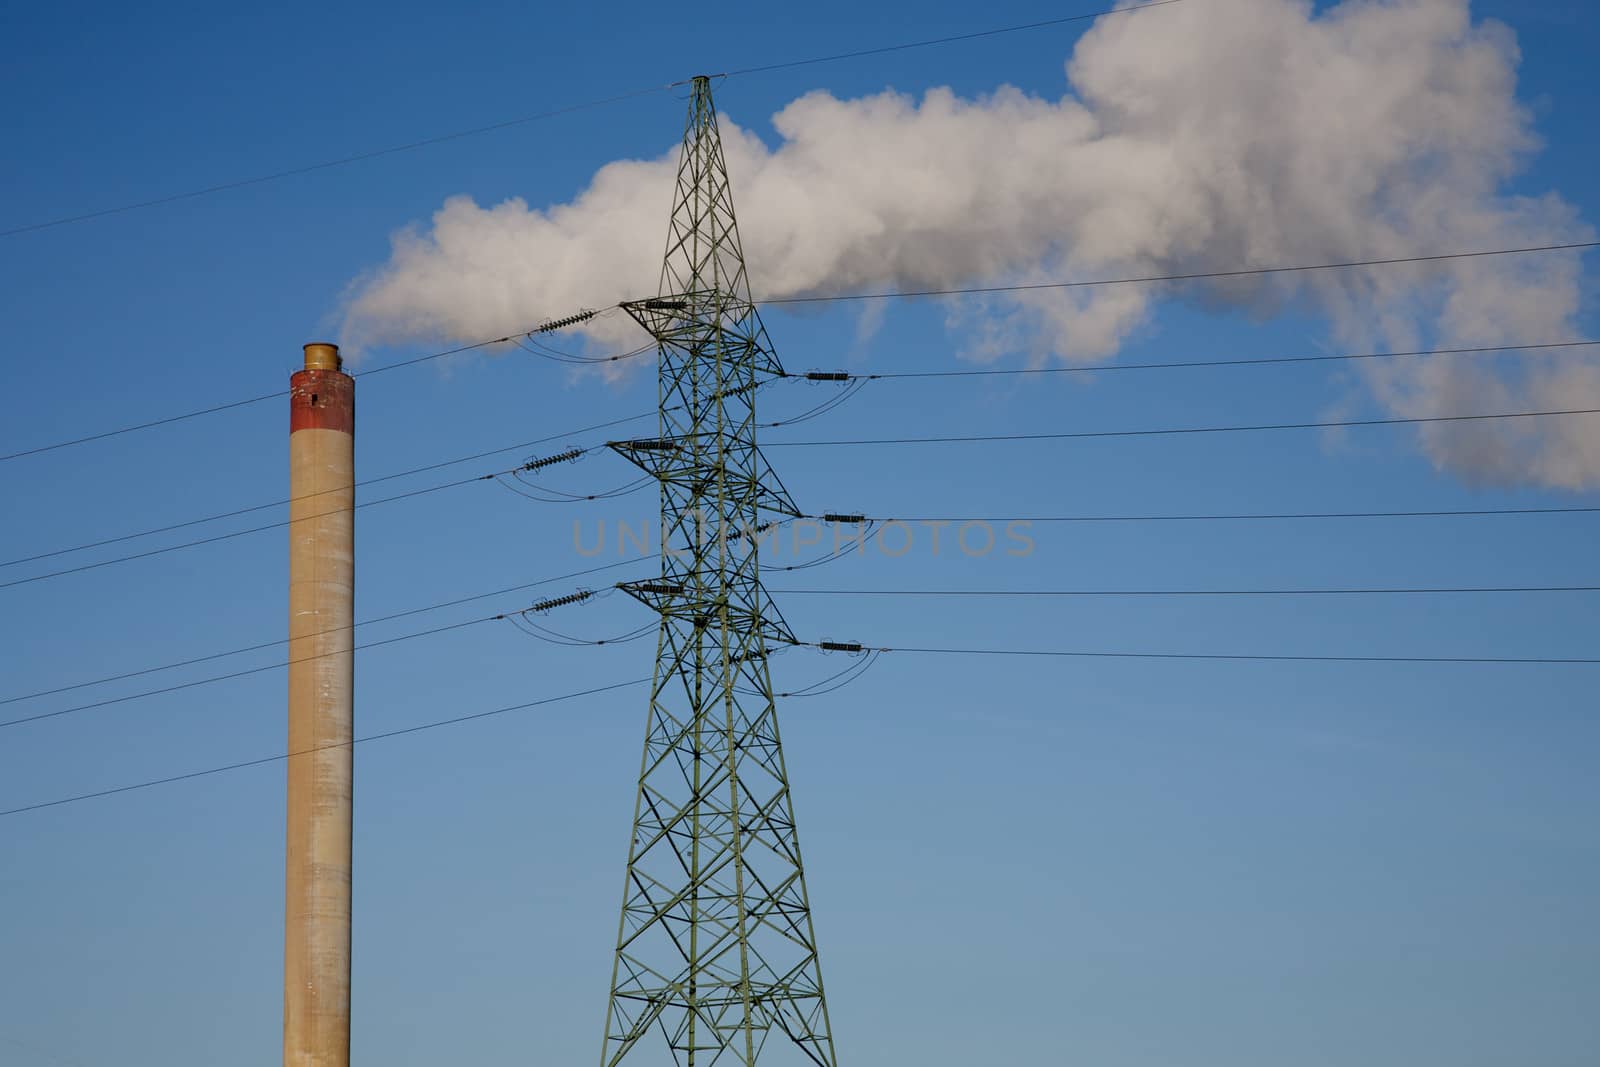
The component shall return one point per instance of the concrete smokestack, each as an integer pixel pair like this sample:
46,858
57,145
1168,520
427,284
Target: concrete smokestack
316,958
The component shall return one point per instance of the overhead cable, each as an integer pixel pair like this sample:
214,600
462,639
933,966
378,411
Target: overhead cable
475,131
1152,279
959,439
265,760
263,397
532,464
126,697
1087,434
888,296
1240,516
284,641
1225,657
1096,368
329,164
1307,591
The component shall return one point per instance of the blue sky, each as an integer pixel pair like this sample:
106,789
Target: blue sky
1130,863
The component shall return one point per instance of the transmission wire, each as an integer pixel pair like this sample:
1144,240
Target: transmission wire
1412,591
569,109
902,295
304,496
1190,277
243,673
884,376
885,49
1191,364
329,164
241,765
1055,653
1252,516
1083,434
340,629
257,399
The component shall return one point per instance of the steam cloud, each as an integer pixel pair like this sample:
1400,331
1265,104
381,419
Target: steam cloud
1206,135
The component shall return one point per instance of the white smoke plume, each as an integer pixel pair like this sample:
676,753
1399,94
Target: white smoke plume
1205,135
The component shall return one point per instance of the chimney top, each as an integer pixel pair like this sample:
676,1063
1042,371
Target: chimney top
322,356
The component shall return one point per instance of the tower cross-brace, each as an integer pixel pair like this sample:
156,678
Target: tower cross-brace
716,950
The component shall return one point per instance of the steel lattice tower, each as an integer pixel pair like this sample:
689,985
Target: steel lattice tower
716,947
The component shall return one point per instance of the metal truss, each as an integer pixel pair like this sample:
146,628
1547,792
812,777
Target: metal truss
715,950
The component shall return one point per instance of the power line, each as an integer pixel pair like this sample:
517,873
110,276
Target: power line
329,164
857,296
243,764
1196,276
263,761
884,50
624,563
213,409
307,496
833,377
142,426
125,698
1084,434
53,1057
59,712
229,536
1185,364
284,641
1225,657
1250,516
960,439
1460,513
592,570
262,398
250,530
1420,591
537,117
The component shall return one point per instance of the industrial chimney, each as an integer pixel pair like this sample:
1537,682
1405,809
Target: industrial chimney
316,959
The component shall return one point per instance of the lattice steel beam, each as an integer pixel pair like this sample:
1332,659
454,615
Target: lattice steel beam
716,948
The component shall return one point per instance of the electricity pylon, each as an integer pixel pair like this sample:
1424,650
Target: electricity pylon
716,947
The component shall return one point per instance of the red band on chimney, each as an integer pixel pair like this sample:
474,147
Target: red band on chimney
322,400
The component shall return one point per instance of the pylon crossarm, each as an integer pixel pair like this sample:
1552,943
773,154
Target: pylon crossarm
679,461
